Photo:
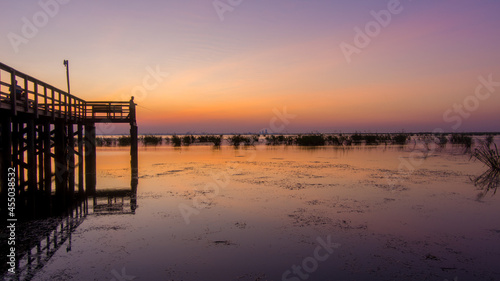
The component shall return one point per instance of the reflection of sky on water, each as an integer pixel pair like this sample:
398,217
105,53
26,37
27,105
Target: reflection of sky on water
274,202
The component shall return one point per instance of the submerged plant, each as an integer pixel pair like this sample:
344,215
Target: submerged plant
489,156
124,140
357,138
489,140
442,140
400,139
489,180
102,141
236,140
176,141
151,140
216,140
310,140
371,139
187,140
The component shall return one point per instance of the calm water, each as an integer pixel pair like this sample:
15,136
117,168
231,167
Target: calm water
384,213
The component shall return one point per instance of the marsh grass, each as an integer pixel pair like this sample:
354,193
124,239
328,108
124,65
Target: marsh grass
489,180
489,156
176,141
279,139
333,140
442,140
310,140
356,138
462,139
489,140
124,140
237,140
188,140
102,141
371,139
216,140
151,140
401,139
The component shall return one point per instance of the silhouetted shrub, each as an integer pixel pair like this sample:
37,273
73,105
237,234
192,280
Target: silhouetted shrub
187,140
400,138
461,139
102,141
333,140
371,139
151,140
176,141
236,140
357,138
124,140
310,140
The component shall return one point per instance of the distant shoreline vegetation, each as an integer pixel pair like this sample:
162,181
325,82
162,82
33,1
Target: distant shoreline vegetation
236,140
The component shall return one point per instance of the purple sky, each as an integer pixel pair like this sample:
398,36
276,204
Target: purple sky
193,68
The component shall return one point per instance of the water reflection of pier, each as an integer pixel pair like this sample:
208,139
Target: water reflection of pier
48,142
116,201
39,240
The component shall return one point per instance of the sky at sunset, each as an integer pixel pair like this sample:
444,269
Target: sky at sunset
297,66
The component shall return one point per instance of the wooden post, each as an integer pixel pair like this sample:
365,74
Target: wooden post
61,164
15,151
90,159
80,160
134,161
71,161
13,90
5,155
32,168
40,153
47,160
20,157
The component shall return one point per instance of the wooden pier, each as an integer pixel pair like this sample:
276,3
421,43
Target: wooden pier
48,137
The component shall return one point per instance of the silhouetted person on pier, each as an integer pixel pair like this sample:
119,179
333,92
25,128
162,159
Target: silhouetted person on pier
132,109
17,90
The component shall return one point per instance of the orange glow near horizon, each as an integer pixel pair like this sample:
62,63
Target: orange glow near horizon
228,76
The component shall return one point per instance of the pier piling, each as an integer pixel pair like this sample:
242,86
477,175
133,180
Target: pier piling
48,137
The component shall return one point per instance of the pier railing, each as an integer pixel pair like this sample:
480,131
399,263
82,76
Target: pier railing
20,92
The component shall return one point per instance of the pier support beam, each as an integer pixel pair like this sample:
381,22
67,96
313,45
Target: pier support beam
31,167
81,153
61,161
71,161
90,159
47,166
134,159
5,156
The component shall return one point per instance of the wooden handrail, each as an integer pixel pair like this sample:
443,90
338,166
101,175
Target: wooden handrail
38,97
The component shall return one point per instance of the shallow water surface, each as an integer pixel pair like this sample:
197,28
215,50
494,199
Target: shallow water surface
287,213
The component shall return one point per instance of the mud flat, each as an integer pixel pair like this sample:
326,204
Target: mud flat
288,213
